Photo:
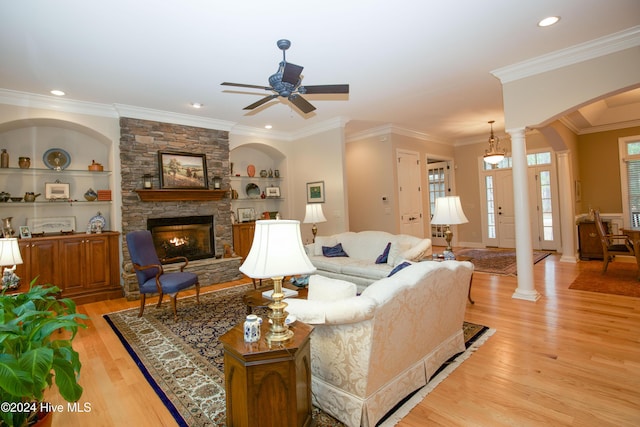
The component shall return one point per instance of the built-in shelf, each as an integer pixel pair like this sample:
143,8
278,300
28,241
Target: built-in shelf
168,195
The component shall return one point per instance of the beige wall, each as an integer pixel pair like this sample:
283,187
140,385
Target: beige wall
600,170
371,170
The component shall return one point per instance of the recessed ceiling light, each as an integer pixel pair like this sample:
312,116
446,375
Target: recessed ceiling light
268,126
547,22
57,92
196,105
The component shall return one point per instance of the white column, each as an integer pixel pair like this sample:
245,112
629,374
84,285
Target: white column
524,248
567,221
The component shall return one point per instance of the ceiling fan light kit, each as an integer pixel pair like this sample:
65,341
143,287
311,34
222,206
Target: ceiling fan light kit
494,154
287,83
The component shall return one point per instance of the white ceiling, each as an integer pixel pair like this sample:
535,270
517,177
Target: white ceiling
422,65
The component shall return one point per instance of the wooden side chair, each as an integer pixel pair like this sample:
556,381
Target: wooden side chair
612,244
151,275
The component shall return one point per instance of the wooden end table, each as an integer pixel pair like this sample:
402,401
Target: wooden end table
268,386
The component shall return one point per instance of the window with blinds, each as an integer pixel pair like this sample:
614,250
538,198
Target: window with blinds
632,161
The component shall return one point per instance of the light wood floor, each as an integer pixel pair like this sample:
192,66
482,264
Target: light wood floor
572,358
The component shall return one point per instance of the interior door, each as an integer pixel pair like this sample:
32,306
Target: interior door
506,220
439,179
409,193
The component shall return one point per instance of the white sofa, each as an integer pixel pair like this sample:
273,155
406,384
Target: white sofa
370,351
363,248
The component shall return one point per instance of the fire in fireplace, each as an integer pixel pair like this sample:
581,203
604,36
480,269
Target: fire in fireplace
189,236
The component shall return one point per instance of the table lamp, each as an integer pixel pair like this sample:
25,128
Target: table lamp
277,251
314,215
448,212
10,257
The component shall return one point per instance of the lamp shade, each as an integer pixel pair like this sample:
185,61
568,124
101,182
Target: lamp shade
448,211
276,251
314,214
9,252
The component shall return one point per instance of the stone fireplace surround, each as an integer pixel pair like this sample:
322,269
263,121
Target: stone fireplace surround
140,141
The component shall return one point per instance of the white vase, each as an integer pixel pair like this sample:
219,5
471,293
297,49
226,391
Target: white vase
252,328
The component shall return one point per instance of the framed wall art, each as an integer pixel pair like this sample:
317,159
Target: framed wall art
56,190
57,224
246,214
315,192
182,170
24,232
272,191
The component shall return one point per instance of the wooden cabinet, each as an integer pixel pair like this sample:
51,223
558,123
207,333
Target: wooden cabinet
40,259
243,238
84,266
268,386
589,243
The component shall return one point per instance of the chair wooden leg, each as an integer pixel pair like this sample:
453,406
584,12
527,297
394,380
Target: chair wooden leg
605,263
198,292
143,298
173,305
160,299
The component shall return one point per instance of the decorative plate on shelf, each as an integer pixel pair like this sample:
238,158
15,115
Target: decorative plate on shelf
252,190
56,158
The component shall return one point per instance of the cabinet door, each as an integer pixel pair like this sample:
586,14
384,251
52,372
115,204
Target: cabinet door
243,238
40,259
96,262
72,264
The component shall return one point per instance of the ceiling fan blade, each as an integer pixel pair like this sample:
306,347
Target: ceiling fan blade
244,85
327,89
291,73
301,103
260,102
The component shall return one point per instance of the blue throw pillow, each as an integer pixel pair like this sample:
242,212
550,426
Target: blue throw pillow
333,251
399,267
382,259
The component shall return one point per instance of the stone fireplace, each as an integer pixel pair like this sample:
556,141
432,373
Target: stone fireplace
183,236
140,141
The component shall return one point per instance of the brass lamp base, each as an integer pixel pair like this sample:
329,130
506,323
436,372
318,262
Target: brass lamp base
448,236
314,230
279,331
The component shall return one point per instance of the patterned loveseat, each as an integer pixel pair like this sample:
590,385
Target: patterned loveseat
370,351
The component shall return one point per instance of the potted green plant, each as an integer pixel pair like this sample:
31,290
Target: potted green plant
36,333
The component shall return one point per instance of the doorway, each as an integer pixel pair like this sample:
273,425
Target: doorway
439,179
498,215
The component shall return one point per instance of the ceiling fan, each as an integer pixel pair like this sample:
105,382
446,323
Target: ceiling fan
286,82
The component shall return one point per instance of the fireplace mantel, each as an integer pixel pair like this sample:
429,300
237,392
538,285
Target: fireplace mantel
179,195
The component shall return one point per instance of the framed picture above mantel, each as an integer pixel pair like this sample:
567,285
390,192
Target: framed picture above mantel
179,170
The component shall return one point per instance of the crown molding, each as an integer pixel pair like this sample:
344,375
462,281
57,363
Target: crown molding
611,43
260,133
30,100
327,125
389,129
169,117
600,128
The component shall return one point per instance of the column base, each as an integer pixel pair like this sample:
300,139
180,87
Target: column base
526,295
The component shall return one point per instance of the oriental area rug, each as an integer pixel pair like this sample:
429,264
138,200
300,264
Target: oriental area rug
621,278
184,361
496,261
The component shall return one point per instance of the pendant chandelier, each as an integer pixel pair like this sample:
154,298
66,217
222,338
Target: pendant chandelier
494,154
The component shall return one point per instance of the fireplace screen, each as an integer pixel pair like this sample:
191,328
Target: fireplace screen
191,237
